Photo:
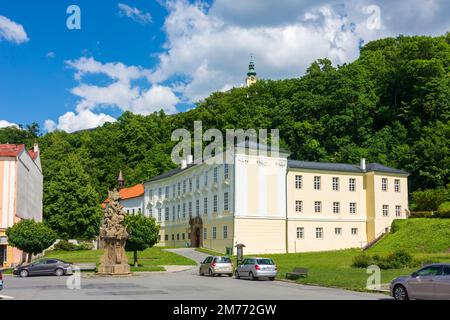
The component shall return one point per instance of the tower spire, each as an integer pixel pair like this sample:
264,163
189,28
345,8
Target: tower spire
251,74
120,180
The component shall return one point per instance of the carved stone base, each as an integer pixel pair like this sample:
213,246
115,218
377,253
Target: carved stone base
114,270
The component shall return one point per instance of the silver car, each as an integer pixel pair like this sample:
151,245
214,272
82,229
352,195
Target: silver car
254,268
430,282
216,266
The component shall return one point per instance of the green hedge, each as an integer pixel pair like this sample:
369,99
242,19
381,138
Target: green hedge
396,260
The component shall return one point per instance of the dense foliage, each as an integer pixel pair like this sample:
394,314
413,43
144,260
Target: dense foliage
143,233
30,236
391,105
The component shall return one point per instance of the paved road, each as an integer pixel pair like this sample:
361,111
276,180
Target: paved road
178,285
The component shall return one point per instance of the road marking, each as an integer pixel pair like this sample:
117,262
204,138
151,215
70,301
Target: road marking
5,297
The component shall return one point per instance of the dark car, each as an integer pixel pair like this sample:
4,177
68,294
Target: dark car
1,280
43,267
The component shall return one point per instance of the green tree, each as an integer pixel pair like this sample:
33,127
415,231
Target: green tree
143,233
429,200
30,236
72,206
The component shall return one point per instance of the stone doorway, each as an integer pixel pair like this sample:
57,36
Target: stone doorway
196,224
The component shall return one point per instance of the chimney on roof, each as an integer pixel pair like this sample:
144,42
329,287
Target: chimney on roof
36,148
189,159
120,180
363,165
183,164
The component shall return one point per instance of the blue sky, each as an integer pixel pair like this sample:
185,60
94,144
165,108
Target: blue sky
145,55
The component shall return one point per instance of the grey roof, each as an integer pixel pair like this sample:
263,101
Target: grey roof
169,173
344,167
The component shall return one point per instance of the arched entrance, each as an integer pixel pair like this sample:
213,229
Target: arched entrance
196,224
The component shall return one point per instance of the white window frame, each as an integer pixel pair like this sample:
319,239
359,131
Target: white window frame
335,183
384,184
214,233
352,184
225,201
398,210
300,233
319,233
298,205
385,210
317,182
338,231
215,206
397,185
354,231
298,181
352,208
317,205
336,207
226,171
225,232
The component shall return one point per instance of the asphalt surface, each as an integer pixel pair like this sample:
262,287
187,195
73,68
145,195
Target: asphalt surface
183,285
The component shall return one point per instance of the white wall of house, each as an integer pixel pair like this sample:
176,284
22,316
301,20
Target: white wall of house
133,205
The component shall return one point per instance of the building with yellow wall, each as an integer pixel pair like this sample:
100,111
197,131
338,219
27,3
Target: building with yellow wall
274,205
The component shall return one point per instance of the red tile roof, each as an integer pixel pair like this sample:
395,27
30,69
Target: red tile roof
10,150
13,150
129,193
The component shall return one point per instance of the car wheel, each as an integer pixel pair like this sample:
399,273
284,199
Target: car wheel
59,272
251,276
23,273
230,274
236,275
200,272
211,273
271,278
400,293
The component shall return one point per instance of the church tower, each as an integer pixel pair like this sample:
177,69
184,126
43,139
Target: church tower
120,180
251,74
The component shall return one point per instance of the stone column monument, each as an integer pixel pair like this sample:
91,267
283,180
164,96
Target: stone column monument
114,235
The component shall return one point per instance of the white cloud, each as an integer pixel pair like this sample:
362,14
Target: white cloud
12,31
84,119
50,55
134,13
6,124
210,46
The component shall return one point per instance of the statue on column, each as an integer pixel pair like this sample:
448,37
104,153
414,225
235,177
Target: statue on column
113,234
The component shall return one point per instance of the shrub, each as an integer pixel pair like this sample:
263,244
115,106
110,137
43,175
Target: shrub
85,246
429,200
362,261
396,260
65,245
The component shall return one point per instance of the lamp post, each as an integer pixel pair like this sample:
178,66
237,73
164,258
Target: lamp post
239,252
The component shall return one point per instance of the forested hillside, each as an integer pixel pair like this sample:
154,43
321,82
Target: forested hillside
392,106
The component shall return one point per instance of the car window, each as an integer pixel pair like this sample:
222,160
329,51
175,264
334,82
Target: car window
209,259
264,261
446,271
39,262
222,260
52,261
429,271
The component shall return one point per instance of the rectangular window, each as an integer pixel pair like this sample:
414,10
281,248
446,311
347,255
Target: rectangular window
398,211
317,206
225,232
173,213
179,188
183,236
206,179
225,171
150,194
397,185
385,210
160,192
166,193
205,205
197,207
166,215
184,186
354,231
215,170
384,184
338,231
335,184
178,210
215,203
190,209
173,236
178,236
300,233
190,184
205,233
173,190
298,182
336,207
319,233
352,208
197,182
159,214
316,183
214,232
351,184
184,210
166,237
225,201
298,206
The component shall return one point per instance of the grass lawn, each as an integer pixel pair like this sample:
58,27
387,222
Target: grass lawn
210,252
151,259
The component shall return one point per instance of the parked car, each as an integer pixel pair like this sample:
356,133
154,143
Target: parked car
43,267
1,280
255,268
216,266
430,282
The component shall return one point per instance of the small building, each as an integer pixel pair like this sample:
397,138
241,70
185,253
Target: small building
131,198
21,192
251,74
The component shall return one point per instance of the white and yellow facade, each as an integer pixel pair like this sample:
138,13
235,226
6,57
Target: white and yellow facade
21,191
254,199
